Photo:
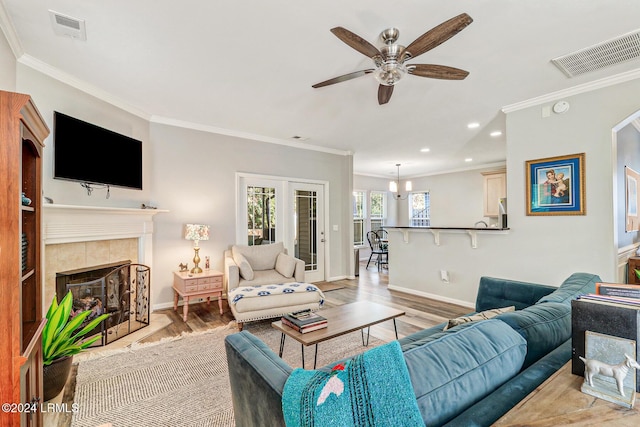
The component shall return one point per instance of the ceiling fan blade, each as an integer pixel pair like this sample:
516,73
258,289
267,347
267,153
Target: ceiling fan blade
437,71
356,42
343,78
437,35
384,94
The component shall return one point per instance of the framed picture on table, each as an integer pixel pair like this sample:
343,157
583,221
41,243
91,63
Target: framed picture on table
555,185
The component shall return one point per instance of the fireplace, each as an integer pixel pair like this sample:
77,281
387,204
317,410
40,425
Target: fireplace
119,289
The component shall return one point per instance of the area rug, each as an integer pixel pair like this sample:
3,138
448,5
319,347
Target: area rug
181,381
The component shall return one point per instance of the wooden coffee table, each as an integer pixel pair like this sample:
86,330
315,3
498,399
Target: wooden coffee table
341,320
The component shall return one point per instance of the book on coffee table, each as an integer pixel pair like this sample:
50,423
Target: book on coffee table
305,321
306,328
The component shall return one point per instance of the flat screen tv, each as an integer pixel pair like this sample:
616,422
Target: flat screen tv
91,154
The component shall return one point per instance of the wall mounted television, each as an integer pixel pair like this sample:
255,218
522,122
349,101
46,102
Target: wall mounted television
90,154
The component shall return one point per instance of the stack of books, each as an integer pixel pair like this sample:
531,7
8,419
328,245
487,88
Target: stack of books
614,310
304,321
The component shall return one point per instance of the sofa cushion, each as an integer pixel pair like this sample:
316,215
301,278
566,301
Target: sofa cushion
243,265
260,257
575,285
285,264
462,366
545,326
483,315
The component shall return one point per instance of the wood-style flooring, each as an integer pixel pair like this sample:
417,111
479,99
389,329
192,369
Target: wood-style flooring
371,285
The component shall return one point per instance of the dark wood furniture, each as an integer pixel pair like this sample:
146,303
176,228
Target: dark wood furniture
22,132
341,320
559,401
633,264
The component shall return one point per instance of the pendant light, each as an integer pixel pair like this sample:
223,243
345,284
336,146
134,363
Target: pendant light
395,185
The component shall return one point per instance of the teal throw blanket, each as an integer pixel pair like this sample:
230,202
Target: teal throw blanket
372,389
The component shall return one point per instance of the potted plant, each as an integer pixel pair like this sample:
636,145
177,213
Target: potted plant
60,342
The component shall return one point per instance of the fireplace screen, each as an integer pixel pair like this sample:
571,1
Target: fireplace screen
120,290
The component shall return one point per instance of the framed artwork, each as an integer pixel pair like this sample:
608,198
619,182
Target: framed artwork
555,185
632,204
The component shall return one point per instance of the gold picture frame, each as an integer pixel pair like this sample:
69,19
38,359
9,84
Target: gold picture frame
556,185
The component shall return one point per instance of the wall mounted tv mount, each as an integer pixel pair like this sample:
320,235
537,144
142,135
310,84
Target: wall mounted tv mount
90,187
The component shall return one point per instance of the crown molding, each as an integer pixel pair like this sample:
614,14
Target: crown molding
105,96
575,90
10,32
81,85
244,135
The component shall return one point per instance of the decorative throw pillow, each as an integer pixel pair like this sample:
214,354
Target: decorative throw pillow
285,264
245,268
483,315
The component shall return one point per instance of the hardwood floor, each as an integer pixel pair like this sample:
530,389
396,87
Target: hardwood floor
371,285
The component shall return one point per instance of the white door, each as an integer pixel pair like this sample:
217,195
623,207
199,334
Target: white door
307,231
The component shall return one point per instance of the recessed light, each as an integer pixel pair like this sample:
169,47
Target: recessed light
300,138
473,125
468,159
425,150
496,133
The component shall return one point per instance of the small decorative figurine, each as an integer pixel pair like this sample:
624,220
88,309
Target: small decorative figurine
183,267
206,263
617,372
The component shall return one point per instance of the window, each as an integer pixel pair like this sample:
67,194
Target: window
261,215
358,218
419,209
378,209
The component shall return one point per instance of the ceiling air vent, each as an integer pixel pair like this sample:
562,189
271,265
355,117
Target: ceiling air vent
65,25
601,55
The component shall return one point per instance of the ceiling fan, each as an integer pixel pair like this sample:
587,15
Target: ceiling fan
390,60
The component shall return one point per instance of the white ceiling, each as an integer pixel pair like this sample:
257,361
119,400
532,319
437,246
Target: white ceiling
246,67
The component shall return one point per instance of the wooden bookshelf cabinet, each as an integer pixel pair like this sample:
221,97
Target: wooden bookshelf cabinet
22,134
633,264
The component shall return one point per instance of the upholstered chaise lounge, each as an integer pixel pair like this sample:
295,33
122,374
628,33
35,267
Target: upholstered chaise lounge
264,282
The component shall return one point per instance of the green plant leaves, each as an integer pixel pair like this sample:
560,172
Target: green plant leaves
57,338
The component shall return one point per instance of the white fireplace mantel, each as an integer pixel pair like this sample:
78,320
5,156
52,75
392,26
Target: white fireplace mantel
71,224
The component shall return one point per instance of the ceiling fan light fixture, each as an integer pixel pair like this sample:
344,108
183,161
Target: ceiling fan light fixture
390,73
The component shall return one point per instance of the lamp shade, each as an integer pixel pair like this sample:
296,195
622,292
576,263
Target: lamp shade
196,232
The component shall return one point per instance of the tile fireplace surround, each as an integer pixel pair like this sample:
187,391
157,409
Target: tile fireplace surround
84,236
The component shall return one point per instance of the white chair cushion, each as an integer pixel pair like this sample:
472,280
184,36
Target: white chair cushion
260,257
243,264
285,264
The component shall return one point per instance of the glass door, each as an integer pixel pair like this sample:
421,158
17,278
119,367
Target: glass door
308,228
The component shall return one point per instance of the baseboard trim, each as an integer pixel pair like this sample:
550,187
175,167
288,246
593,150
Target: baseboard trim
333,279
432,296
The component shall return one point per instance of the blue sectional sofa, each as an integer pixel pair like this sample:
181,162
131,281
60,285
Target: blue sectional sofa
468,375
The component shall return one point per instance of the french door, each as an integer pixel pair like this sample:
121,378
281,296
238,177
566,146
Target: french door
308,233
275,210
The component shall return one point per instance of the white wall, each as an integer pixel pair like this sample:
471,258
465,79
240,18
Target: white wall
51,95
192,174
456,199
7,65
194,178
543,249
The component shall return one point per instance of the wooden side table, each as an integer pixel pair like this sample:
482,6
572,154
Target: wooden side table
196,285
559,401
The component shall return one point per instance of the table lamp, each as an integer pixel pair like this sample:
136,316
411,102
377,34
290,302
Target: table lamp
196,232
